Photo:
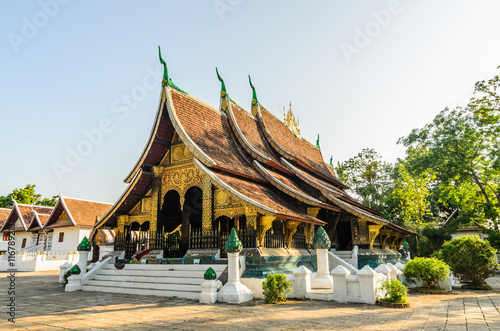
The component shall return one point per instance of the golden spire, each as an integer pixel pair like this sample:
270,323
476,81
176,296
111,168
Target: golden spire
290,121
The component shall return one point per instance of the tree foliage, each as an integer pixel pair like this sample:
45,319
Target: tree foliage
275,288
369,177
395,291
27,196
470,258
462,148
429,270
410,197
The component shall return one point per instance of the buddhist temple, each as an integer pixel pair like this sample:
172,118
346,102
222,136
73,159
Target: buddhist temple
206,170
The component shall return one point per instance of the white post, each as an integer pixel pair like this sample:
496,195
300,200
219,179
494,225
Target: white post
82,262
384,270
208,291
74,283
302,284
340,283
233,270
323,279
63,268
368,285
234,291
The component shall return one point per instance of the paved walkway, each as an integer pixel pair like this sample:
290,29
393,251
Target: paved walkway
42,304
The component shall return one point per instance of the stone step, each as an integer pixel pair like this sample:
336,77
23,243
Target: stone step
320,294
149,286
141,291
342,254
155,273
149,279
170,267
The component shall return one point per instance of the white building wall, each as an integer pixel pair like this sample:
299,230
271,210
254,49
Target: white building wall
3,244
72,237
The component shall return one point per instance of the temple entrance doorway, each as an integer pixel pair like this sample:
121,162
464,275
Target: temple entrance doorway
192,210
170,216
344,236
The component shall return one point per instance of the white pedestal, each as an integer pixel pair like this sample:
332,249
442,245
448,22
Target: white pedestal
82,262
323,279
234,291
74,283
208,291
63,268
302,284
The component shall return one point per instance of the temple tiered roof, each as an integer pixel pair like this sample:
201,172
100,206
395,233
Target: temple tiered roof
252,155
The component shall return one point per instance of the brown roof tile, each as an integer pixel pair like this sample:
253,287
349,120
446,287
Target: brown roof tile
211,132
251,131
85,212
264,195
294,147
4,213
27,212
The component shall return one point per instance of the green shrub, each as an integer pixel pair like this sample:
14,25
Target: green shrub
275,288
395,291
470,258
75,270
429,270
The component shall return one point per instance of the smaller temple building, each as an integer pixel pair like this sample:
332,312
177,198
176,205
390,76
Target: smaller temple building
46,237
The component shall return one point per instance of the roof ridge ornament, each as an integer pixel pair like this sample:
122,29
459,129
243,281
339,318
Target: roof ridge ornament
165,71
166,80
223,92
317,142
331,161
255,102
291,121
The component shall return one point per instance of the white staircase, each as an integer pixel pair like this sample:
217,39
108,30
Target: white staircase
348,259
169,280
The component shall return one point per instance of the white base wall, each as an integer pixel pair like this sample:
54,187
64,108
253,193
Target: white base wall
36,261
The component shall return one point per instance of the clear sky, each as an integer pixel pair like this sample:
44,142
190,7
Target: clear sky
84,76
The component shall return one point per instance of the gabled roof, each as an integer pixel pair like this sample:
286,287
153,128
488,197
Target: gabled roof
246,129
293,148
207,133
82,213
4,214
37,221
24,213
260,196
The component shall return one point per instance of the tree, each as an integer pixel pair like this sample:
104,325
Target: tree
470,258
27,196
462,148
369,177
410,197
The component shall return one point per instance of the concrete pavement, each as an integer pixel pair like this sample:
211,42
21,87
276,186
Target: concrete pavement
42,304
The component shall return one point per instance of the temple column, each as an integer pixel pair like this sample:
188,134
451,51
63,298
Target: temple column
155,198
206,222
373,231
313,212
385,234
266,222
251,224
290,229
121,222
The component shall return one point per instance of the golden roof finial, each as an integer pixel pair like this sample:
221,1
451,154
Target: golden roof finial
290,121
